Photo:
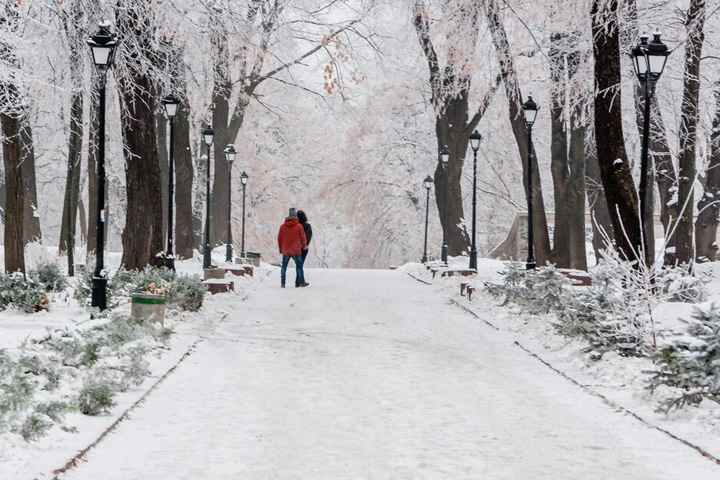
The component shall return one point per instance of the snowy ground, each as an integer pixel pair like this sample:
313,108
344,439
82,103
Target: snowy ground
372,374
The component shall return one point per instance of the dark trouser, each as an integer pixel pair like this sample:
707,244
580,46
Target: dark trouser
299,274
304,255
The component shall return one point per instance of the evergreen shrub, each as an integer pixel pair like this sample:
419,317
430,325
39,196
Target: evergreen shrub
690,361
49,276
21,293
183,292
96,397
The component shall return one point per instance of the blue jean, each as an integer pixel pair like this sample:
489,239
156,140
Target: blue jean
299,274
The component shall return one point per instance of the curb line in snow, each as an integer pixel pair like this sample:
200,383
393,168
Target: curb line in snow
418,279
605,399
72,463
612,404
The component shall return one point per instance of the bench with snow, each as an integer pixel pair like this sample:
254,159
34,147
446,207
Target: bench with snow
467,287
434,264
239,270
216,285
465,272
578,278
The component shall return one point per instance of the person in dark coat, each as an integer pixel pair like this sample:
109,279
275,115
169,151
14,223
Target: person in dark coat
291,242
302,218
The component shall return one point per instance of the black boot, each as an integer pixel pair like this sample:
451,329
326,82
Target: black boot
282,284
303,284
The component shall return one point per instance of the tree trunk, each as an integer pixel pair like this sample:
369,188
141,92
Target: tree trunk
575,197
559,152
612,158
12,156
11,115
184,233
222,89
142,236
82,216
519,127
694,24
706,226
72,184
31,215
199,201
603,233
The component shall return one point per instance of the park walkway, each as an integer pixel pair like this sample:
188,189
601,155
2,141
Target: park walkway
368,374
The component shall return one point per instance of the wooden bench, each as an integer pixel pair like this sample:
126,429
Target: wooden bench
578,278
216,286
240,270
467,287
465,272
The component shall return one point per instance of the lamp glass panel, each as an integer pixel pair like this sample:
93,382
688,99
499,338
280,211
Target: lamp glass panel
657,63
209,139
101,55
530,116
171,109
640,63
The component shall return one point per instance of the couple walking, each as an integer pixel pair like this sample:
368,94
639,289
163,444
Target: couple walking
293,240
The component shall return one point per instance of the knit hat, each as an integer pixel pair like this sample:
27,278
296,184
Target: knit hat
293,212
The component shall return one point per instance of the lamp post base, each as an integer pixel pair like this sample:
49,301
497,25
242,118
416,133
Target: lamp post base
473,259
170,262
530,265
424,258
207,262
99,293
228,253
444,254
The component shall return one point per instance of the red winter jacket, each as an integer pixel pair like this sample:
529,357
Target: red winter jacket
291,237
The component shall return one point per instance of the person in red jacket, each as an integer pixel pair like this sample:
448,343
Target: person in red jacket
292,241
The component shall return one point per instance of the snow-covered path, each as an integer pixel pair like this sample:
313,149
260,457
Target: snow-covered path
370,375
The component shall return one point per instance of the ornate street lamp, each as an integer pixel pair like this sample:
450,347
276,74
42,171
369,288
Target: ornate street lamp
428,183
102,45
171,104
444,157
243,180
530,108
649,62
475,138
230,154
208,134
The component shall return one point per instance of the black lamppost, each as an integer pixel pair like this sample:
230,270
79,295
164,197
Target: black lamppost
102,44
475,138
208,134
530,108
230,153
428,182
444,157
243,180
171,103
649,62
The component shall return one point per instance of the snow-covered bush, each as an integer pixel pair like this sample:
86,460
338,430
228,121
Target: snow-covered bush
16,387
107,359
536,291
96,397
690,362
21,293
35,426
611,314
678,286
49,276
182,292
